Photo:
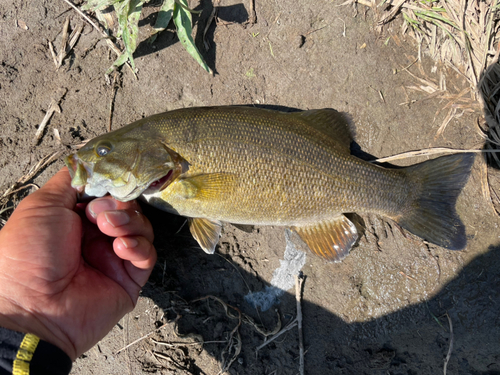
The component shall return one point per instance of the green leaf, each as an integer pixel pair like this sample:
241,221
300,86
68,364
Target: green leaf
182,21
122,59
128,14
94,5
430,16
411,21
164,17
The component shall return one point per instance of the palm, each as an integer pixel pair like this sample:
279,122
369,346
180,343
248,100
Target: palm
77,286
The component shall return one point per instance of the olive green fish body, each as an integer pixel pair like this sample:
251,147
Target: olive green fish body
280,171
252,166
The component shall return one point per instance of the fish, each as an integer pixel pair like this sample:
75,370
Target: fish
254,166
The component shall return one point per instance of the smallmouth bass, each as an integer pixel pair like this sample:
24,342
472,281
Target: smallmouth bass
254,166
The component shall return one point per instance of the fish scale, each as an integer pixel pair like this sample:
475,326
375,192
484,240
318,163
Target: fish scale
299,165
247,165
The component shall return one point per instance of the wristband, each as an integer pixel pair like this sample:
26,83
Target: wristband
26,354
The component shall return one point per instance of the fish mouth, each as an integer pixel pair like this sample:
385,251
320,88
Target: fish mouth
90,184
79,171
161,183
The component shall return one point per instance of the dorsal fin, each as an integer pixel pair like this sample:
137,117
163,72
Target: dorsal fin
331,123
330,239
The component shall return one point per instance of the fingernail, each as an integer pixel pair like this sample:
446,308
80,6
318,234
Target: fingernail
129,242
99,205
117,218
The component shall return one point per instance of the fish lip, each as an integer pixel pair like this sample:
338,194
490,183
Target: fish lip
72,162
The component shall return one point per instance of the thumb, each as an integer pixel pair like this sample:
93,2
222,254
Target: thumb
57,192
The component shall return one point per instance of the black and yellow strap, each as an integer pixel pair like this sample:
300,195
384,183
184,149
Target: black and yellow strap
21,364
26,354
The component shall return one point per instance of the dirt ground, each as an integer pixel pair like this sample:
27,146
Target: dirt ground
386,309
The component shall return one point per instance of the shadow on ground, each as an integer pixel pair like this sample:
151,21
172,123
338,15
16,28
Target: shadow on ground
413,340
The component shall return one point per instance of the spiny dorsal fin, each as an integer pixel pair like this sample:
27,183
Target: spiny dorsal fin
331,239
208,186
331,123
206,232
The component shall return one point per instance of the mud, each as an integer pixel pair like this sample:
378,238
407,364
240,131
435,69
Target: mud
386,309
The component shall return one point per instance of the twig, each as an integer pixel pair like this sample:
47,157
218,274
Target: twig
252,18
140,338
85,17
24,187
296,322
207,26
112,45
390,15
448,356
429,151
290,325
171,360
112,102
176,344
234,341
299,280
66,46
32,172
53,107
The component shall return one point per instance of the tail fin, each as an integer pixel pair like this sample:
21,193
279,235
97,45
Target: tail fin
432,214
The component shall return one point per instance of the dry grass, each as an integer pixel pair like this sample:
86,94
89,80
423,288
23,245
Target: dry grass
458,33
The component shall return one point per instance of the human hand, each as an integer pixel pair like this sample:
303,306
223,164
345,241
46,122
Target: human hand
61,277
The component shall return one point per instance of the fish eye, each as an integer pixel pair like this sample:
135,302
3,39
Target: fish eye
103,149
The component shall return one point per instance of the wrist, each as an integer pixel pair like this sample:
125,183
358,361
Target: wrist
17,319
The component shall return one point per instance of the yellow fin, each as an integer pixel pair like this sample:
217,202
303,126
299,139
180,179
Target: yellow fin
206,232
208,186
331,239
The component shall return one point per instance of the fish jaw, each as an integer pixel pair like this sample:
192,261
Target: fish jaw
125,188
78,171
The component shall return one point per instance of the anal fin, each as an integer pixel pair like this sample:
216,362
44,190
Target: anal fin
206,232
330,239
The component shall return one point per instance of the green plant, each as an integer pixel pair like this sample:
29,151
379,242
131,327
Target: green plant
128,13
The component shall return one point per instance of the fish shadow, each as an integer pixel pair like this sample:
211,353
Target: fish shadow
413,340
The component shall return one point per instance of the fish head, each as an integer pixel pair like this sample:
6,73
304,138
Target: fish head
123,165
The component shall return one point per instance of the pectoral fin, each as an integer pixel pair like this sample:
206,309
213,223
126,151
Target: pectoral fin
206,232
208,186
330,239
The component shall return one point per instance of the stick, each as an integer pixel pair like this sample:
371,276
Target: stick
140,339
112,103
209,22
53,107
290,325
32,172
296,322
112,45
451,346
176,344
252,18
299,279
429,151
